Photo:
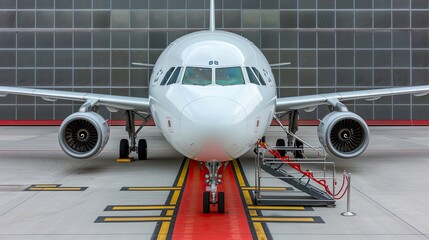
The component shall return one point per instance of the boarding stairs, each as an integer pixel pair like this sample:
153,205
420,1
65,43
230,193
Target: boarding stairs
300,189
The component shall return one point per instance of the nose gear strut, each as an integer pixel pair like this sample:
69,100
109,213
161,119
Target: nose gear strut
213,179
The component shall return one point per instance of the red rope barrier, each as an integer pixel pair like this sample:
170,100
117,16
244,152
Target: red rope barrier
307,173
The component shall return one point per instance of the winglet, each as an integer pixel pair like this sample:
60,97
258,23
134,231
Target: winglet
212,16
280,64
146,65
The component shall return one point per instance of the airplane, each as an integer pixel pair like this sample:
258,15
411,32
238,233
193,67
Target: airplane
213,95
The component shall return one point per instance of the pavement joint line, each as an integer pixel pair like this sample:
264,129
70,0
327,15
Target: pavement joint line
381,205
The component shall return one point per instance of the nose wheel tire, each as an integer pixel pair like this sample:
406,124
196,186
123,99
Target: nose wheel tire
206,202
124,149
142,149
221,202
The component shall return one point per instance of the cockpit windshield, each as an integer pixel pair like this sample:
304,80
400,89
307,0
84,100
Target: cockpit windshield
197,76
229,76
223,76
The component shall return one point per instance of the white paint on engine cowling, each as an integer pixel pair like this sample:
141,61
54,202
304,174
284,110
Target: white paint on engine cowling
100,125
324,131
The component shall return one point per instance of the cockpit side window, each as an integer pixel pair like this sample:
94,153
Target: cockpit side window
167,76
229,76
197,76
173,78
252,78
259,76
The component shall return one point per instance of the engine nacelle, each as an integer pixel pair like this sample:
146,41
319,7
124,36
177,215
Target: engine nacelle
83,135
343,134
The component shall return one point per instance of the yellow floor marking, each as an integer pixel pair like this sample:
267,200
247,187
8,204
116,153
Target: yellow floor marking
253,213
239,174
153,188
118,208
137,219
265,188
282,219
169,213
125,160
183,173
54,189
163,231
175,197
276,208
165,227
260,233
180,183
247,198
166,221
259,230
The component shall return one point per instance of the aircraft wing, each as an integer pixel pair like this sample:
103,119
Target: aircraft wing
110,101
310,102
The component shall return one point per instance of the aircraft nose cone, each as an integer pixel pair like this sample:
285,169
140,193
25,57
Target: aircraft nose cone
213,127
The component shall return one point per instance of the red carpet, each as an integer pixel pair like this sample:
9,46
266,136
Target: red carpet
192,223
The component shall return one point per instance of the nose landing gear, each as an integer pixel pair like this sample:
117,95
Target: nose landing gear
213,179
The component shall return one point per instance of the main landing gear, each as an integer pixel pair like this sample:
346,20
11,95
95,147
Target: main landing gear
213,179
125,146
292,141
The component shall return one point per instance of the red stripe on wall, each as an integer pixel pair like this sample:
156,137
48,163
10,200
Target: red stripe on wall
58,123
369,122
30,122
151,123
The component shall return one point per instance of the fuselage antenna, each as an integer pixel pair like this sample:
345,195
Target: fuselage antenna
212,16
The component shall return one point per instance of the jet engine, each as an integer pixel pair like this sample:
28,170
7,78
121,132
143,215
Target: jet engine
83,135
343,134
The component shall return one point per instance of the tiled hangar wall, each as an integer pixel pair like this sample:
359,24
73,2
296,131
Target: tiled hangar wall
334,45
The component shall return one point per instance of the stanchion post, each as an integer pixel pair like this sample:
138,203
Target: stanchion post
348,213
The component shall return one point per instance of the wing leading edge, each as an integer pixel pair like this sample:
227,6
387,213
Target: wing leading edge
310,102
111,101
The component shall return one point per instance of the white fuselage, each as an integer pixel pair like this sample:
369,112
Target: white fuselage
212,121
